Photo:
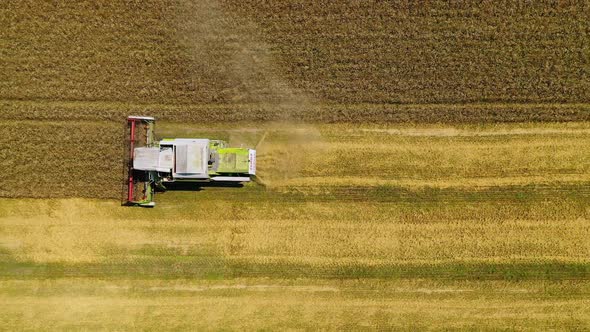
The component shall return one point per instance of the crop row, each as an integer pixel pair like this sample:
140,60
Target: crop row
316,113
291,53
325,162
61,159
312,239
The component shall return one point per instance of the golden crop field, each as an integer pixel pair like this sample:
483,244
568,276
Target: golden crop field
465,226
421,165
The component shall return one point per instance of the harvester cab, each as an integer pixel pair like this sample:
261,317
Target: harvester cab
152,164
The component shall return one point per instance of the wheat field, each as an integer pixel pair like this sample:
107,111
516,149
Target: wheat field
421,165
464,226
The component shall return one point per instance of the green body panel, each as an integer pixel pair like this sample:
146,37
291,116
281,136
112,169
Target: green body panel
216,144
229,160
233,160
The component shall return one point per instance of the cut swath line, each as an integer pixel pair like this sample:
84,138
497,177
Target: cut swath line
246,287
453,132
474,183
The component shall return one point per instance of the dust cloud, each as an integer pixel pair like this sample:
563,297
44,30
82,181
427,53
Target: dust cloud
231,51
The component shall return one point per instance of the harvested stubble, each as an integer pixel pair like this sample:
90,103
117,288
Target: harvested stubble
91,263
508,242
255,304
217,233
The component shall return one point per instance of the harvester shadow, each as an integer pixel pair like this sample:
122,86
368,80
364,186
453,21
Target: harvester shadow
188,186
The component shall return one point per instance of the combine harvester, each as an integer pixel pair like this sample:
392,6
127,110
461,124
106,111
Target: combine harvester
151,164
